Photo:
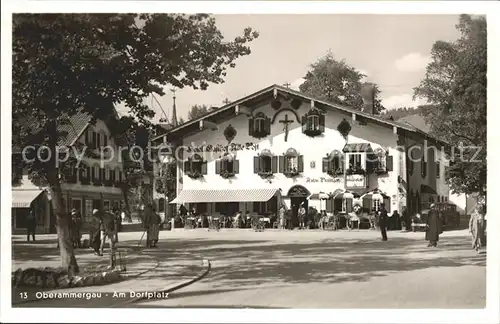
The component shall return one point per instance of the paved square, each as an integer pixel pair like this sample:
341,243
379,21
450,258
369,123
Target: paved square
320,269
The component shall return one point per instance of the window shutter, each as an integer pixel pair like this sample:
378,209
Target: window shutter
218,166
367,205
105,140
267,125
300,163
120,176
304,124
281,164
102,174
322,123
250,127
329,205
236,166
348,205
204,167
94,139
389,163
274,164
98,140
113,176
256,164
369,163
326,163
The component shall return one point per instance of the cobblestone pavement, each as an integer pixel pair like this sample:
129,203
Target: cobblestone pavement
317,269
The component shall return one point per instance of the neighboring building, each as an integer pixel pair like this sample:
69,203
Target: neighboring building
83,190
465,203
278,145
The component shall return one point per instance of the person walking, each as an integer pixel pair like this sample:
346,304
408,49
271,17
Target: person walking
382,221
108,230
476,228
433,227
31,225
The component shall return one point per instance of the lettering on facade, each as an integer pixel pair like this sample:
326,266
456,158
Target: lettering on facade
355,181
223,148
323,180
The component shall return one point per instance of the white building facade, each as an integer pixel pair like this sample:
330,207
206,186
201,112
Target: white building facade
278,146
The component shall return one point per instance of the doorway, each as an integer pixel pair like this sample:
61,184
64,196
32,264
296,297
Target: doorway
298,195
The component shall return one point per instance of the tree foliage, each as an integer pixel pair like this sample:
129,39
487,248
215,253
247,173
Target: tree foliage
455,84
338,82
64,64
197,111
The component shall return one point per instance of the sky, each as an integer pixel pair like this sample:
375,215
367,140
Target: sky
392,50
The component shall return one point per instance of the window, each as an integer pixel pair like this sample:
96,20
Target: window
258,125
266,163
89,206
291,164
333,163
376,204
355,161
194,164
228,165
313,122
96,175
77,204
438,170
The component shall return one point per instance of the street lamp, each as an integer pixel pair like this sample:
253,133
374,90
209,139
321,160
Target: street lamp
164,160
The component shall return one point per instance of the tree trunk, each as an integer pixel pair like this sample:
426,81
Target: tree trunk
62,225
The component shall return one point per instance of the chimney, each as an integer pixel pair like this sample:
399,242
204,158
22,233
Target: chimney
368,95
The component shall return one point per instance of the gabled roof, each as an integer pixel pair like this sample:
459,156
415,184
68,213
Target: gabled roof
416,121
73,127
229,110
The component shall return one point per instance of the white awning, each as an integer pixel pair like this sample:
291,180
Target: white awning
24,198
224,195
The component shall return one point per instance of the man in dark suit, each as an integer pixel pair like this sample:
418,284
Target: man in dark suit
383,222
434,227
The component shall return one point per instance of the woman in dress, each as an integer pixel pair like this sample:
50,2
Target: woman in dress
476,227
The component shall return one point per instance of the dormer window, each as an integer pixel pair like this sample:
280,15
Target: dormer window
291,163
333,163
265,164
195,167
227,167
259,126
313,123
